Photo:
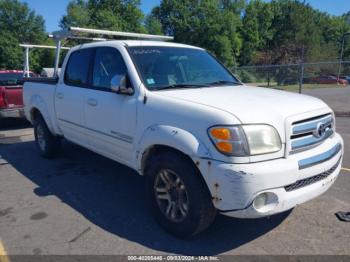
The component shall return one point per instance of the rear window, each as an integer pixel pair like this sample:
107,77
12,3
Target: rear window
11,78
78,67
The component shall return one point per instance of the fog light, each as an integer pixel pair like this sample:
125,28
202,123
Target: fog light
260,201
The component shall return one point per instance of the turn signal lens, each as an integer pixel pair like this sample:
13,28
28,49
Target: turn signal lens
221,133
229,140
225,147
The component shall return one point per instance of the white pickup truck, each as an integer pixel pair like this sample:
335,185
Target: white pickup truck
206,142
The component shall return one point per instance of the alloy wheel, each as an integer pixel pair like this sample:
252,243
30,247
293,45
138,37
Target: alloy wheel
171,195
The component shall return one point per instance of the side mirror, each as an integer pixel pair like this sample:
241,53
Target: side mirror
119,85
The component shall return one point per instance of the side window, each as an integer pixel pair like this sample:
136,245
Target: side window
77,68
108,64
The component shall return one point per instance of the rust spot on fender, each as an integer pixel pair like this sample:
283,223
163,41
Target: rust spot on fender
216,198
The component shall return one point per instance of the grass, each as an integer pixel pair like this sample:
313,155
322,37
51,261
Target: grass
295,88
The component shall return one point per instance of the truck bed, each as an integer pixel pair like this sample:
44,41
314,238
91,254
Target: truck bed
40,93
42,80
12,95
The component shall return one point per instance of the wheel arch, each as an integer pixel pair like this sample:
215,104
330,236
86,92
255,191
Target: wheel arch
34,113
161,138
39,107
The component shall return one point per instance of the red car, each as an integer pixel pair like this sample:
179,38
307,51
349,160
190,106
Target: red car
11,100
329,80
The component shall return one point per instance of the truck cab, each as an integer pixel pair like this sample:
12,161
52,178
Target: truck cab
206,142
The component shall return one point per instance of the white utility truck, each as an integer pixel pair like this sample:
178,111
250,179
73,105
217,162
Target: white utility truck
206,142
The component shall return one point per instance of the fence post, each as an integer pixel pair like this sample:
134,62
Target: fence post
342,54
301,70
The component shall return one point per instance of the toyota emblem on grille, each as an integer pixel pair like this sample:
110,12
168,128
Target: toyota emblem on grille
320,130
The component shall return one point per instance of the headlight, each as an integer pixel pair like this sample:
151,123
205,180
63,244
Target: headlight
262,139
245,140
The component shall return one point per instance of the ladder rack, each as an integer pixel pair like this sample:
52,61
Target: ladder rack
26,71
80,34
76,31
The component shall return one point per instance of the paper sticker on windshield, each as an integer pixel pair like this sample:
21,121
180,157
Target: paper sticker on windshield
146,51
150,81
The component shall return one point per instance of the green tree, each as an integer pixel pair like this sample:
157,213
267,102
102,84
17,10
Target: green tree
212,24
77,14
286,31
295,30
153,25
19,24
119,15
257,33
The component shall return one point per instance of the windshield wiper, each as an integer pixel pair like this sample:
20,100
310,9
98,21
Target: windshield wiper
220,82
174,86
223,82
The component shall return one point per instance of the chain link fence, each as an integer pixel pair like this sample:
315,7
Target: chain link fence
296,77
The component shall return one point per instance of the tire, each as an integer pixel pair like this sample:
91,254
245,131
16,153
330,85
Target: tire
47,144
192,210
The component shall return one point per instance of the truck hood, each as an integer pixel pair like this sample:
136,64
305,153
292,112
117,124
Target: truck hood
251,104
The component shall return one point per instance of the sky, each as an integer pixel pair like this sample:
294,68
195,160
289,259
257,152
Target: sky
52,11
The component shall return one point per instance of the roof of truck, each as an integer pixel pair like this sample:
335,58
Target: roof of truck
136,43
155,43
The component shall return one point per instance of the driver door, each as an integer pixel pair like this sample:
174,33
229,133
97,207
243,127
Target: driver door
110,117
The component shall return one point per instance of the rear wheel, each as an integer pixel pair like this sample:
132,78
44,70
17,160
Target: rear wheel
47,144
178,195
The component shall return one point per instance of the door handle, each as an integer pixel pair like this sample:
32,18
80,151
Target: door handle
60,95
92,102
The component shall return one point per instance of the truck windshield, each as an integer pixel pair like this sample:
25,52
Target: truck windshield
10,78
176,67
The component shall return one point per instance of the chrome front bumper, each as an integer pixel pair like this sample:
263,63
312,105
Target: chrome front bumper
315,160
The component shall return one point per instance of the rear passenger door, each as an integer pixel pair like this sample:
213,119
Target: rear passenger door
110,117
70,94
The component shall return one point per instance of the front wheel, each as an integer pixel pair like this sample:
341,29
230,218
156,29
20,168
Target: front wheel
47,144
178,195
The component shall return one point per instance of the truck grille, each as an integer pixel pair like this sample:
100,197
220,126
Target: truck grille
311,132
311,180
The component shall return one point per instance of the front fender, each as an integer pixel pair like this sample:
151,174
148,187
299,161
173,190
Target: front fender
173,137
